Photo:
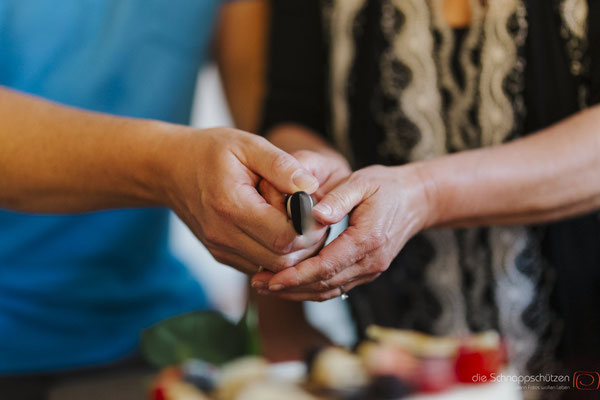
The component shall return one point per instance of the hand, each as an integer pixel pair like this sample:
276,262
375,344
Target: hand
214,174
330,169
388,205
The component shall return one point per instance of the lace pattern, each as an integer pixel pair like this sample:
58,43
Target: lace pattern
454,281
574,17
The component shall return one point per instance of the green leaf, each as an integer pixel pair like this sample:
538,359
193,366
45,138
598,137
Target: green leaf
204,335
249,327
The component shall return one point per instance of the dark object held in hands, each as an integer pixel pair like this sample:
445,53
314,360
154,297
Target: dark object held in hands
299,209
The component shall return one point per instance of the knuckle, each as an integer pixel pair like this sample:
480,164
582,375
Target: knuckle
328,271
339,198
322,286
224,212
284,263
282,161
259,140
223,207
219,257
375,239
365,177
243,137
212,238
304,156
360,176
282,244
380,267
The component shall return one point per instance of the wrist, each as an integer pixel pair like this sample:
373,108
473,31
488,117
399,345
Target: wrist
425,193
162,161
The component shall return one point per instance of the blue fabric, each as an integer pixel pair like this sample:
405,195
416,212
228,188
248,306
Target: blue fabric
77,290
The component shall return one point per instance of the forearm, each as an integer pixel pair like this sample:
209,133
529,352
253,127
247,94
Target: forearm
59,159
545,176
240,50
549,175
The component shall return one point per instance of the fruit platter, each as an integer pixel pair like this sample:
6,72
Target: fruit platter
389,364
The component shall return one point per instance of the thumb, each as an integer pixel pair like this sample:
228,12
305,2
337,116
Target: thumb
279,168
339,202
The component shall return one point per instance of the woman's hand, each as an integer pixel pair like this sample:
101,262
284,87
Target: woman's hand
387,206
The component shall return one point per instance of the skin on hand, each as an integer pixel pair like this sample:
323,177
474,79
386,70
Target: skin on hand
330,170
212,187
387,206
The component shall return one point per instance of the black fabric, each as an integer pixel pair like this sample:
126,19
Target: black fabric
573,247
296,75
298,93
363,98
550,89
594,46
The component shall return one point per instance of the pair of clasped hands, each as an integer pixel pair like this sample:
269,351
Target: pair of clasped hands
241,216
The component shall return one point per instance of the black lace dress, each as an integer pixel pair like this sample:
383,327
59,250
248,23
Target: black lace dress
389,83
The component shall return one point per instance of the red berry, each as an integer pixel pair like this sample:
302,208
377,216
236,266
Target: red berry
159,394
476,365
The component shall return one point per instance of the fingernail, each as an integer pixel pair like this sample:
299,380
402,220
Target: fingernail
304,180
275,288
323,209
259,285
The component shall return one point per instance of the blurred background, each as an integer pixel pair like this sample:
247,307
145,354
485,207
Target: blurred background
226,287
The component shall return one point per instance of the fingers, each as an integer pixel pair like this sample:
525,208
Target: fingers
321,296
359,270
278,200
347,249
329,170
269,226
261,280
260,256
282,170
272,196
256,254
235,261
339,202
273,261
